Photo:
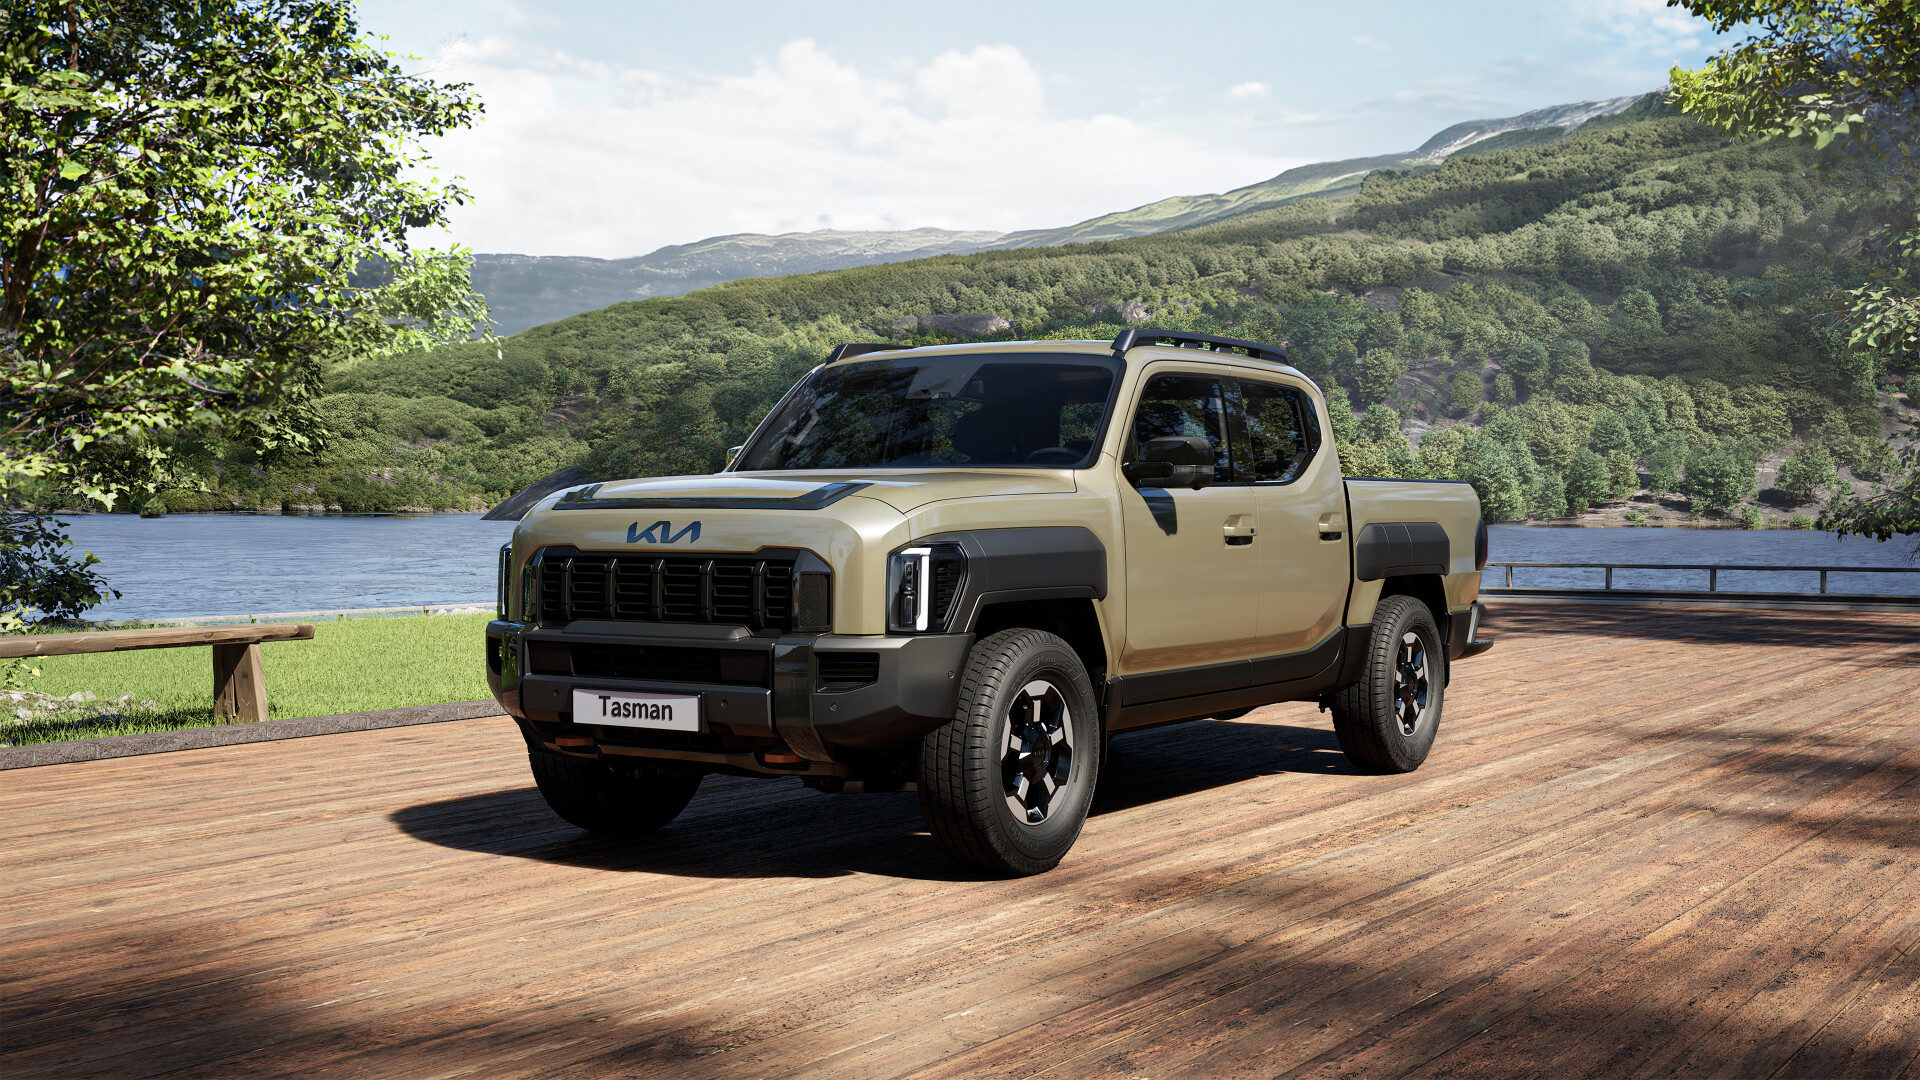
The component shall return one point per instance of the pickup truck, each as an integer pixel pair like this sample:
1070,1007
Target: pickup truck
961,569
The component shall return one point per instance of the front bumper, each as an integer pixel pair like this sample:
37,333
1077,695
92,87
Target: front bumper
825,701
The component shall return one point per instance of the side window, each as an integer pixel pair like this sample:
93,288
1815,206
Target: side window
1280,433
1175,406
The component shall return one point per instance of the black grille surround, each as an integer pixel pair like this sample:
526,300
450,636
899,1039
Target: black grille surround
755,591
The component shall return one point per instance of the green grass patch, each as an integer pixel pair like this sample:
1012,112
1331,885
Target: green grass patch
351,665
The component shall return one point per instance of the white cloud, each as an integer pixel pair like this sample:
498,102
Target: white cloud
583,158
1249,90
1645,24
1366,42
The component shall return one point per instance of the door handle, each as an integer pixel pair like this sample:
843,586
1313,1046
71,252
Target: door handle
1238,529
1332,525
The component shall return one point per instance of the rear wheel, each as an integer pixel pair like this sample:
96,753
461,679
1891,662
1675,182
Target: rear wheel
1006,783
1386,722
620,800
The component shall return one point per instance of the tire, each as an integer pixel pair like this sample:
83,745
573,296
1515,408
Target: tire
1386,722
1005,784
611,799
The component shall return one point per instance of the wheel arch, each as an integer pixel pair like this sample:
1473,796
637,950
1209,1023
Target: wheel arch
1429,589
1072,619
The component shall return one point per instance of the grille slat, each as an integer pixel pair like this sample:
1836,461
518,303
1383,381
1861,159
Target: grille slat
752,592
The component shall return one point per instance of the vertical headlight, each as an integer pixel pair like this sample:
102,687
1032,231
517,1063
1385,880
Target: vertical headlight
506,579
923,582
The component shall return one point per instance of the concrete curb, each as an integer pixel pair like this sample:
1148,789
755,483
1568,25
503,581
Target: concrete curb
165,742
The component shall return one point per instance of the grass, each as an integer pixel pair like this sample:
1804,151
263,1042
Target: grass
351,665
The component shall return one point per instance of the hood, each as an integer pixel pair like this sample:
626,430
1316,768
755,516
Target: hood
903,490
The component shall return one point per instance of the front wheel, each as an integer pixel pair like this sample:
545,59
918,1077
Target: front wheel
1006,784
618,800
1386,722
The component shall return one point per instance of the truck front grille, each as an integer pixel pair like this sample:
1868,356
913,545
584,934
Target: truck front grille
745,590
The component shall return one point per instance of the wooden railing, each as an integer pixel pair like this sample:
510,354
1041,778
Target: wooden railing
1712,570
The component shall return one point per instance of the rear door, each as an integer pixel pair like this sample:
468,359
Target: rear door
1299,502
1191,586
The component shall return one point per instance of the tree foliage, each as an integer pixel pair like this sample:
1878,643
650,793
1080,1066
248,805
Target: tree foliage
39,576
186,191
1831,72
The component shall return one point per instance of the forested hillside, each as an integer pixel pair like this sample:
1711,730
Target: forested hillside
1637,305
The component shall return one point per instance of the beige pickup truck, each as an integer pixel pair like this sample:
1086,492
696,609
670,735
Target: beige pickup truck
962,569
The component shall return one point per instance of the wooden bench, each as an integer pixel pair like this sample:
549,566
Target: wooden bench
239,680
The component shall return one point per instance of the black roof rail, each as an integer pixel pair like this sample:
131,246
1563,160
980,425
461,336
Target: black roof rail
1128,339
861,348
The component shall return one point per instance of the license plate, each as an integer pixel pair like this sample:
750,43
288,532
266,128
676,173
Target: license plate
616,708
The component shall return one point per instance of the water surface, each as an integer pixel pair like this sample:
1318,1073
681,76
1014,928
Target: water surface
185,565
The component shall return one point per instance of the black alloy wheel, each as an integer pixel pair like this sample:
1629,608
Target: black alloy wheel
1411,684
1037,761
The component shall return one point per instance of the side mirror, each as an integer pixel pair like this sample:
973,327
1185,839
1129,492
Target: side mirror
732,453
1185,461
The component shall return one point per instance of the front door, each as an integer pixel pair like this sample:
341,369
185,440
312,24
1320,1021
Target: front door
1192,565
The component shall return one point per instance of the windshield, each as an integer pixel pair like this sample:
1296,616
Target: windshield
929,411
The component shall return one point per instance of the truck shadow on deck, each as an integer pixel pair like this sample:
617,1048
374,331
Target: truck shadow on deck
744,828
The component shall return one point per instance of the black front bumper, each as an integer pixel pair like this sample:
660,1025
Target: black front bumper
758,693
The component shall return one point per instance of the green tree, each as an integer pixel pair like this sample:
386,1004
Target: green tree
1491,467
1827,72
1463,391
1569,367
1547,495
1381,424
1611,435
1622,478
186,189
1588,481
1380,373
1528,360
1720,479
1552,430
1503,388
1807,473
1440,450
1346,426
1419,310
1664,461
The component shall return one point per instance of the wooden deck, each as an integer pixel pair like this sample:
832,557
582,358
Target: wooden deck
1647,842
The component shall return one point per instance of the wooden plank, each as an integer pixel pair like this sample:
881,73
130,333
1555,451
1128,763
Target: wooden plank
165,637
1647,841
239,684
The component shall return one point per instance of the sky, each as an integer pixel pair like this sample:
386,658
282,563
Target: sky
615,128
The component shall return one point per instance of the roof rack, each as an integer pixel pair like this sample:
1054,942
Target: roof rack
862,348
1128,339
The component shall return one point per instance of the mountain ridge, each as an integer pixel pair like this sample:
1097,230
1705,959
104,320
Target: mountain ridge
531,290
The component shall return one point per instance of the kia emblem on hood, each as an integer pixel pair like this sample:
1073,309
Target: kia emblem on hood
661,532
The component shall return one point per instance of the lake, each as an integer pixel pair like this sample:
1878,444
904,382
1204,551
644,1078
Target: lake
185,565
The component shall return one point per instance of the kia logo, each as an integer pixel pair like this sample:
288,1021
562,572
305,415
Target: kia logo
661,532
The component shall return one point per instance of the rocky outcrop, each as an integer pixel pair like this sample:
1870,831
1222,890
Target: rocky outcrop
971,325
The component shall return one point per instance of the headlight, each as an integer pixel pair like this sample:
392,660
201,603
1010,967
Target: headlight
923,583
506,571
